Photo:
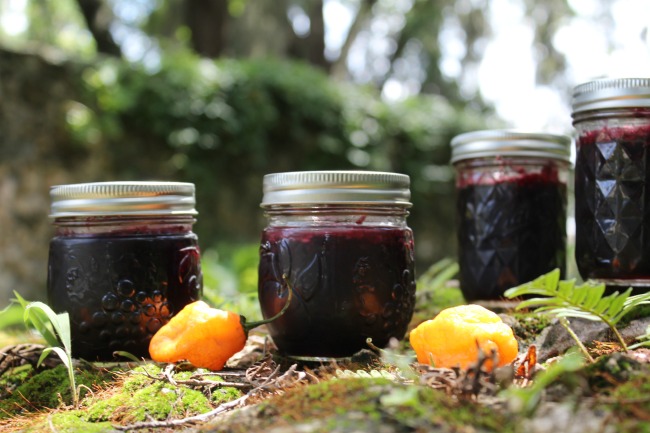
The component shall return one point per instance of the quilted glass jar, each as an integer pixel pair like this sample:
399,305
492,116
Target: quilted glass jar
511,208
612,181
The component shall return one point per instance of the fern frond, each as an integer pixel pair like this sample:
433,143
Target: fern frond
585,301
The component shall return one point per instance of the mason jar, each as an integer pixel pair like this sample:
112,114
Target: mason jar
612,181
122,262
339,240
511,200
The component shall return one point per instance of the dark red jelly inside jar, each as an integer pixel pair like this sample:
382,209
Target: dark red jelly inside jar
120,288
512,228
612,181
349,283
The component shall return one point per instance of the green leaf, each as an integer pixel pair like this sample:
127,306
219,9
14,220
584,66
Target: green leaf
534,302
618,302
582,296
39,321
60,322
11,315
594,296
570,312
565,288
127,355
60,352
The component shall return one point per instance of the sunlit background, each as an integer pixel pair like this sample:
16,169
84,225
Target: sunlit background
593,38
220,92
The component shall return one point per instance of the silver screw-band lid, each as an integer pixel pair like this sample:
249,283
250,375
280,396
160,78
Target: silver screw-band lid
491,143
611,93
122,198
336,187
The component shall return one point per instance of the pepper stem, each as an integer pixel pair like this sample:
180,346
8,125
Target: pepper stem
248,326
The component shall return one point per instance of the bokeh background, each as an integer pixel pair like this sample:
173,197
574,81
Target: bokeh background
221,92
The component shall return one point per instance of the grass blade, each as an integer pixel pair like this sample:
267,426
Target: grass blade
60,322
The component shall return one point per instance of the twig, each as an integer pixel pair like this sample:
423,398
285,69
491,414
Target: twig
168,377
167,374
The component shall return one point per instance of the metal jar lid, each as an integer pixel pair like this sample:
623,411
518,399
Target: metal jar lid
611,93
122,198
491,143
336,187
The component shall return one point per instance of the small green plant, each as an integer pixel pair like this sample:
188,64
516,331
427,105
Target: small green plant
55,330
564,299
438,274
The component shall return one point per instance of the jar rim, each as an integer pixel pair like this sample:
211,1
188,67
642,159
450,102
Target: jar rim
336,187
611,93
513,143
137,198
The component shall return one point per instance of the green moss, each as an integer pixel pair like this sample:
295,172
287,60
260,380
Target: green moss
139,377
529,325
156,401
48,389
70,422
225,394
612,369
142,398
378,402
629,400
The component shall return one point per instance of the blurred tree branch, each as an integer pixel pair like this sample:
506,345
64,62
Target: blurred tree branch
339,68
98,17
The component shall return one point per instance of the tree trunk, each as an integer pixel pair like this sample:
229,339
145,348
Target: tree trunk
207,21
98,18
312,47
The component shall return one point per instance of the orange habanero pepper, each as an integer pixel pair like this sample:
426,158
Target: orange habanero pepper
454,336
206,337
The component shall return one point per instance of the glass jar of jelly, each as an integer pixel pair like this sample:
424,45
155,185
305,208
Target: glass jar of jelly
339,240
612,181
123,260
511,208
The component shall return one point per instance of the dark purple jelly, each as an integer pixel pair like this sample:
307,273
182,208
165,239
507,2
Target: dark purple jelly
349,283
120,289
612,181
512,229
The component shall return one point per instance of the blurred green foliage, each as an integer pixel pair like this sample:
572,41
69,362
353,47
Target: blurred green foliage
230,279
224,124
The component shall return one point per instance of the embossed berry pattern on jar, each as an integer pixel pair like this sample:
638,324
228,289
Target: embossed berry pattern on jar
121,262
340,241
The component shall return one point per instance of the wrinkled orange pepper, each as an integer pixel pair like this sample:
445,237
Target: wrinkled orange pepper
206,337
453,337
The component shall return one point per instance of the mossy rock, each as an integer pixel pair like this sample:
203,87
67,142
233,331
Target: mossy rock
630,403
48,388
142,398
138,397
363,404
